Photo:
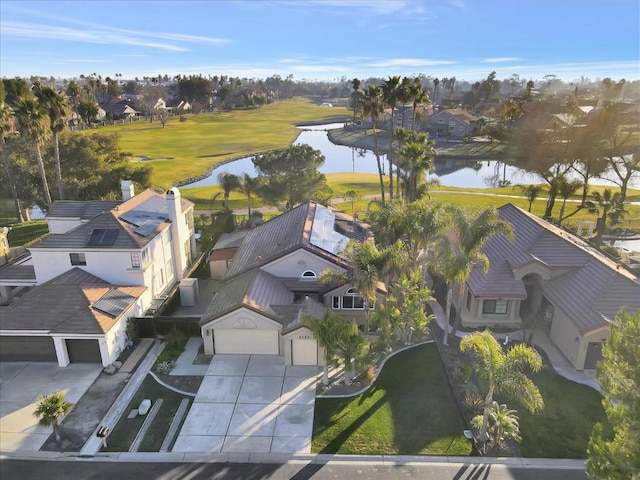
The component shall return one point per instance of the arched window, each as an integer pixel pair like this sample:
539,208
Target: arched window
352,291
308,275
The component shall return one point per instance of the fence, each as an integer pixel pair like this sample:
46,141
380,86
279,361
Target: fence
152,327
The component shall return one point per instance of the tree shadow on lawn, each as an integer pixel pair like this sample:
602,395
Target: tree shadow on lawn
409,410
213,155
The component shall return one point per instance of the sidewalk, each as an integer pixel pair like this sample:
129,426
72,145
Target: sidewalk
184,363
542,340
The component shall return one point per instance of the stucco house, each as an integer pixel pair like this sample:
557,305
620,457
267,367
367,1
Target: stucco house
273,279
117,259
74,317
453,122
549,273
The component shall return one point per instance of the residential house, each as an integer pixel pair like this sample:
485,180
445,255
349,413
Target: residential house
403,116
120,110
74,317
223,252
554,276
102,262
272,281
452,123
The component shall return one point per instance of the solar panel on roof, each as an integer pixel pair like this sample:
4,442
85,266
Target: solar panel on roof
146,228
114,302
103,236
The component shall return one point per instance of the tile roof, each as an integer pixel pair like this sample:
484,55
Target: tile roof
255,289
64,305
81,210
147,201
17,272
589,287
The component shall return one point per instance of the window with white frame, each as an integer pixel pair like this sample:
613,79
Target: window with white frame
495,306
135,260
145,256
351,300
77,259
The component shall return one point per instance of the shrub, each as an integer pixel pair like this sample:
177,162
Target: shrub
473,400
164,368
183,118
462,373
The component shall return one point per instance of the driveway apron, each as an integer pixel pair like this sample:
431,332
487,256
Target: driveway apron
251,404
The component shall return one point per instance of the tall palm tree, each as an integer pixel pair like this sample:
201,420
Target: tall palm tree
504,372
417,159
373,106
436,82
531,192
7,128
56,107
565,190
607,205
390,94
351,347
328,332
228,182
51,409
355,97
31,121
248,185
460,251
419,96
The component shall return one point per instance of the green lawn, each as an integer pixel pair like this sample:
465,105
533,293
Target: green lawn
22,233
409,410
183,150
563,428
126,430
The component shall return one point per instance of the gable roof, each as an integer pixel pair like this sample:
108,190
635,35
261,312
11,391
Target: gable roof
125,218
311,226
82,210
589,287
64,304
459,114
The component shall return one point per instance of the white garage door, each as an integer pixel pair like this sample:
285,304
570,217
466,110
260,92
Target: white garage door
246,341
305,352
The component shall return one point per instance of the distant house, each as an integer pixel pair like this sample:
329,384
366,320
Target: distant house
552,275
403,116
272,280
119,111
454,123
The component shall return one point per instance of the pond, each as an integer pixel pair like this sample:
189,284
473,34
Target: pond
343,159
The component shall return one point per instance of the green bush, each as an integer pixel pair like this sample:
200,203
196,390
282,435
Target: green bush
183,118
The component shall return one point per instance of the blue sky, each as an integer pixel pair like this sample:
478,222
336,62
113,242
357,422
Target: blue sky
322,39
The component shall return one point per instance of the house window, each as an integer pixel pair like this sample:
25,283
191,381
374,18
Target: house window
352,300
460,128
452,128
335,303
309,275
469,301
145,256
495,306
167,235
135,260
77,259
187,251
441,120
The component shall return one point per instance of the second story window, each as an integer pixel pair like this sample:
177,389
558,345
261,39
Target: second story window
135,260
77,259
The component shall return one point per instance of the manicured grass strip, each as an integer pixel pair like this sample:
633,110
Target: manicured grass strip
563,428
22,233
409,410
126,430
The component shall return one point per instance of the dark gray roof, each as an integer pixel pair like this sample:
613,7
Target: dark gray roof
81,210
272,239
230,240
17,272
588,287
255,289
122,217
64,305
306,305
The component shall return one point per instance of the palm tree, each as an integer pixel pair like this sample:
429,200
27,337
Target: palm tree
391,94
503,424
436,82
56,107
228,182
51,409
461,251
531,192
355,97
373,106
565,190
351,347
7,128
328,332
419,96
31,120
606,204
417,159
504,372
248,185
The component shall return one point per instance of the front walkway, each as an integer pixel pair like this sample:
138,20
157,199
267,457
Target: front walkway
541,340
251,404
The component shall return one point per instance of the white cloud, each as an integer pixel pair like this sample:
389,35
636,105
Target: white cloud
501,59
408,62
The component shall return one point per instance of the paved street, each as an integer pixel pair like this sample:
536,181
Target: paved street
80,470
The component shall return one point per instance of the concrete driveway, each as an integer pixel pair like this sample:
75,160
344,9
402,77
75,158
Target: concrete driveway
251,404
21,383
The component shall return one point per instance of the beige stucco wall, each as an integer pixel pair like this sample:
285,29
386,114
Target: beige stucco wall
300,333
598,336
295,263
566,337
475,318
